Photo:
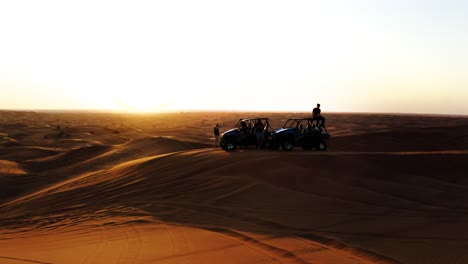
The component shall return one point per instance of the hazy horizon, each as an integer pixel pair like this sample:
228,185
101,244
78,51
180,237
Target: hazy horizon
108,111
360,56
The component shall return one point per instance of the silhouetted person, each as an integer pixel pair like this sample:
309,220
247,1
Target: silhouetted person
316,115
243,133
259,133
216,134
244,128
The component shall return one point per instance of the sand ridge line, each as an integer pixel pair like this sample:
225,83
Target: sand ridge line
352,251
122,165
66,159
10,167
185,252
332,152
133,150
25,260
21,154
274,253
48,189
140,161
406,237
280,254
345,253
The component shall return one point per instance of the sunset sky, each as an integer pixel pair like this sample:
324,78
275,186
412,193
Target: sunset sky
362,56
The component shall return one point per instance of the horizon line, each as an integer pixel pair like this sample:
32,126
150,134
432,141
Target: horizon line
110,111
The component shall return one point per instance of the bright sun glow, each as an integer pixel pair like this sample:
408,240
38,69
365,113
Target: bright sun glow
146,102
145,56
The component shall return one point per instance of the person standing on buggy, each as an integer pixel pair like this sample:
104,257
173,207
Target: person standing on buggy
316,115
259,127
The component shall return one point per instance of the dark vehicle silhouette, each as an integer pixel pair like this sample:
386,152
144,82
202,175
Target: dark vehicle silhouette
301,132
243,134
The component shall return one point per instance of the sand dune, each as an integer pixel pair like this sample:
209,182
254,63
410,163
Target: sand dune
66,158
406,139
10,167
25,153
375,197
8,142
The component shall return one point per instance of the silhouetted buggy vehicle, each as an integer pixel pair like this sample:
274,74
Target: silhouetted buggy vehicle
301,132
243,134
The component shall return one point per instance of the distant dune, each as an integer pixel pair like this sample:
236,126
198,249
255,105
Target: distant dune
111,188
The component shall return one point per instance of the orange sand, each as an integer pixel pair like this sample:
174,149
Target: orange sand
114,188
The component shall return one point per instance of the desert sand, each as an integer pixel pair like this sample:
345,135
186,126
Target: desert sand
150,188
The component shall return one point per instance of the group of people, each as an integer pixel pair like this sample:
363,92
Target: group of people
259,127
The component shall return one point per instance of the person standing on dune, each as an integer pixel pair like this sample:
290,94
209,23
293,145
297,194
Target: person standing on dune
316,115
216,134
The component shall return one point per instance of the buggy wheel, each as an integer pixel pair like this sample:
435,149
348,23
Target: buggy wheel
228,146
287,145
321,146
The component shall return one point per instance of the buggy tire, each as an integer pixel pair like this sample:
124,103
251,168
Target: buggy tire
321,146
228,146
287,145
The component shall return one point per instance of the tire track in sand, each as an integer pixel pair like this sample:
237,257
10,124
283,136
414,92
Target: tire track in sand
180,244
132,245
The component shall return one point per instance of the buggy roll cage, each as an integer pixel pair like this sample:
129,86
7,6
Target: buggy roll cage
298,123
250,122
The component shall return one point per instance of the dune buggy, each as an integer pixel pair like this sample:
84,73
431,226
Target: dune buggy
301,132
243,134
